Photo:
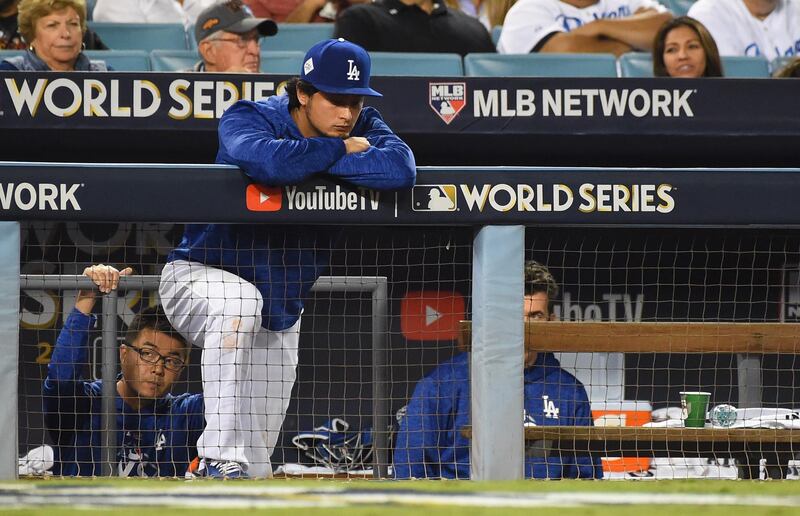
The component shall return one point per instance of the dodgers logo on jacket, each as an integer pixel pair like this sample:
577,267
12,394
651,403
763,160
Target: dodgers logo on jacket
447,99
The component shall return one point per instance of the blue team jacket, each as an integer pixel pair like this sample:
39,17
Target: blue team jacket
284,262
429,441
159,440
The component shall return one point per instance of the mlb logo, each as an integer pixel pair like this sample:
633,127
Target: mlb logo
263,198
431,315
447,99
434,198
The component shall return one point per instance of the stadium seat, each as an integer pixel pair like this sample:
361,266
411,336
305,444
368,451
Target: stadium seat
122,60
278,62
640,64
119,60
416,64
298,36
745,67
284,62
4,54
173,60
678,7
141,36
636,64
496,30
540,65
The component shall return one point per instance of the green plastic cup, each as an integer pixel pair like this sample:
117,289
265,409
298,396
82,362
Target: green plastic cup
694,405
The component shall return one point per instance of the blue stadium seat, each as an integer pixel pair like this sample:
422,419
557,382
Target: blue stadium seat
122,60
636,64
283,62
540,65
119,60
678,7
277,62
4,54
173,60
496,30
745,67
141,36
416,64
640,64
298,36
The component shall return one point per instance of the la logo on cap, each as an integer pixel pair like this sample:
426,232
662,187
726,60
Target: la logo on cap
353,72
308,66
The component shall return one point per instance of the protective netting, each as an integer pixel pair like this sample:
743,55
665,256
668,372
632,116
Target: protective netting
627,276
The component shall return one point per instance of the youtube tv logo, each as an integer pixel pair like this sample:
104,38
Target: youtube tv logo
264,198
431,315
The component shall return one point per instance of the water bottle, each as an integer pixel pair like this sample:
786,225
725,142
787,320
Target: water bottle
723,415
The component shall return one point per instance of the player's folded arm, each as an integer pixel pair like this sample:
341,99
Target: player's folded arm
388,164
248,140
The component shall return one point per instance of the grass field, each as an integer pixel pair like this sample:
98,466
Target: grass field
147,497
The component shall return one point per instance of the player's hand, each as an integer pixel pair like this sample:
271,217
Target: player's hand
106,277
356,144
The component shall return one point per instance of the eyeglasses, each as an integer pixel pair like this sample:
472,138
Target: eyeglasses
152,356
242,42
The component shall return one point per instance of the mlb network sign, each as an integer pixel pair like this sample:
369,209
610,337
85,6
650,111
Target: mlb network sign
585,198
39,197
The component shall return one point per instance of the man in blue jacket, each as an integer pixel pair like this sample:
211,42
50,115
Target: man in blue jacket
429,440
157,431
237,290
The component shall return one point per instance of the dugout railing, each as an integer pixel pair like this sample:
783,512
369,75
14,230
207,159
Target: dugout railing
374,286
498,204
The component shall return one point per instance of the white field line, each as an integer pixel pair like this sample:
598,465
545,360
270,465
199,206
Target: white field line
230,495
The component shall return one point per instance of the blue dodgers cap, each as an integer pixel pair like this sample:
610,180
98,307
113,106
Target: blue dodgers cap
338,66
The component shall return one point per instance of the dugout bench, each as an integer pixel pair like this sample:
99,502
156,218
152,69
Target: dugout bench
746,445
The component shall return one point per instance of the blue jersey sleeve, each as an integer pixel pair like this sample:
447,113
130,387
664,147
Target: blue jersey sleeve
416,453
251,141
583,466
388,164
65,395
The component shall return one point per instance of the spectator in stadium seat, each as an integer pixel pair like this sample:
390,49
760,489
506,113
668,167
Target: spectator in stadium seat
790,70
605,26
768,28
412,26
237,290
684,48
229,38
429,443
11,39
138,11
157,431
151,11
301,11
54,31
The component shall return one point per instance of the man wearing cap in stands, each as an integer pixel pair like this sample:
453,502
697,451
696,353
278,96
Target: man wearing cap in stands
228,38
237,290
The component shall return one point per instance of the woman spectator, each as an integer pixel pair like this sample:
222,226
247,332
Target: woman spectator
683,47
53,30
790,70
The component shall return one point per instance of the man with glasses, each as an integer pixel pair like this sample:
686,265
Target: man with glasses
157,431
228,38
